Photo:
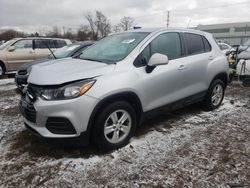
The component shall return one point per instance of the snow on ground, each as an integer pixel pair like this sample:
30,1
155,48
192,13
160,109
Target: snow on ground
185,148
7,84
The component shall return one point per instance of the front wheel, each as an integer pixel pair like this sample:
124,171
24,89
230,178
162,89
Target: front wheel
114,126
214,95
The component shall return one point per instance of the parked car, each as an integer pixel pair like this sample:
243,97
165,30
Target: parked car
225,47
106,93
71,50
18,51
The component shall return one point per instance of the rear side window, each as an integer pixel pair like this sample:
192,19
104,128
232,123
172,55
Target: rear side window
194,44
60,43
43,43
207,45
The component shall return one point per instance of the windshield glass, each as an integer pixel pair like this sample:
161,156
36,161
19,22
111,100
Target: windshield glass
247,43
64,51
113,48
4,45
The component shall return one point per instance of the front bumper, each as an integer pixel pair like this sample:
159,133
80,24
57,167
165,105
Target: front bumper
76,112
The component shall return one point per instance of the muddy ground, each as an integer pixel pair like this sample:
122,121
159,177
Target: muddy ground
185,148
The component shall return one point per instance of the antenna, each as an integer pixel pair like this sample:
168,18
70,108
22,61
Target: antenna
168,15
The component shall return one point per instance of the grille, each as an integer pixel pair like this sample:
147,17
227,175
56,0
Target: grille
28,110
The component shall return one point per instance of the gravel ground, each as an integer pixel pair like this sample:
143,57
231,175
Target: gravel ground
185,148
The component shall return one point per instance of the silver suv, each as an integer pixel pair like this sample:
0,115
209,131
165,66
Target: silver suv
108,91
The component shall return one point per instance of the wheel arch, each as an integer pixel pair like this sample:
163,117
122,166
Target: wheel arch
129,97
222,76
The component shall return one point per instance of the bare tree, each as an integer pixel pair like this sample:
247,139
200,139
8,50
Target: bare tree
116,28
102,24
89,17
99,24
126,23
83,33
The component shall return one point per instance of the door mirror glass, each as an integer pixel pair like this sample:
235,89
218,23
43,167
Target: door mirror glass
12,48
158,59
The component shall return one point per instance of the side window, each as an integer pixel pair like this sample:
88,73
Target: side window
194,44
207,45
143,58
168,44
51,43
40,44
60,43
43,43
23,44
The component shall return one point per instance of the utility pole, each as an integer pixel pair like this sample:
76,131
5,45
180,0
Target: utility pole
168,14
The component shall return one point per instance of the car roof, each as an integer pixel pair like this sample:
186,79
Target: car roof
156,30
42,38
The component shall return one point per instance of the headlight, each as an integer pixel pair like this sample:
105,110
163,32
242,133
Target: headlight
69,91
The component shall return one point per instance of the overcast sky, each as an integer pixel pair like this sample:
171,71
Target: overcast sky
37,15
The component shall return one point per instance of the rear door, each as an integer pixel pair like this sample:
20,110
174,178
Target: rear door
41,47
194,69
22,53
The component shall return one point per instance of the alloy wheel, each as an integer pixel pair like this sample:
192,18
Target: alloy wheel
117,126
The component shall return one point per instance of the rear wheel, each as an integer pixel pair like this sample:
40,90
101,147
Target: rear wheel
114,126
215,95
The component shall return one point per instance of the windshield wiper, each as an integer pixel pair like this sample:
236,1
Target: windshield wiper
89,59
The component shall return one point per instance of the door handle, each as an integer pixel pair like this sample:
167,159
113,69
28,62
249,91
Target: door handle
181,67
31,52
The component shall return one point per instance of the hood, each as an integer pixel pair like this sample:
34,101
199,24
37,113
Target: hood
61,71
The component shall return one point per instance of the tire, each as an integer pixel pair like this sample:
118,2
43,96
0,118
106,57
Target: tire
2,70
217,88
117,135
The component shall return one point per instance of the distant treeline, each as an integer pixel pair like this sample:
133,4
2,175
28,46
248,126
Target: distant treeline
97,26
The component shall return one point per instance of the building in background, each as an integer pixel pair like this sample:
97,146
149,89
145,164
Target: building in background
231,33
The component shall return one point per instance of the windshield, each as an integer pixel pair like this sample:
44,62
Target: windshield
113,48
247,43
64,51
4,45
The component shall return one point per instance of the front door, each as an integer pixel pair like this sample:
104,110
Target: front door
164,84
21,52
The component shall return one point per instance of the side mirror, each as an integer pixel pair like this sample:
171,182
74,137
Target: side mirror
158,59
11,48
